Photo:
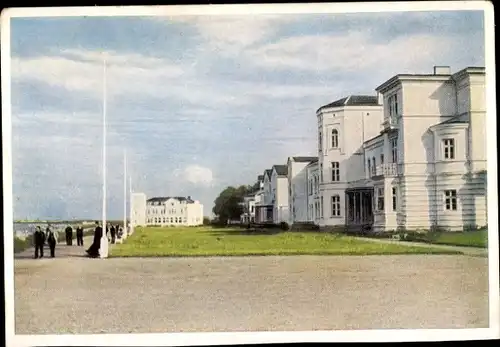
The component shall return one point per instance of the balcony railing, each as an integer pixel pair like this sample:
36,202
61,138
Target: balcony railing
386,170
390,122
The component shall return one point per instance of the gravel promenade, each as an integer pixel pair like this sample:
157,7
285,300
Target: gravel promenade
73,294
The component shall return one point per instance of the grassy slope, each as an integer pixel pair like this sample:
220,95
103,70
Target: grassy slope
469,239
207,241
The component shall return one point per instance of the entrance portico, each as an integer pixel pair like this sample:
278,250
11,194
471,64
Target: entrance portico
359,206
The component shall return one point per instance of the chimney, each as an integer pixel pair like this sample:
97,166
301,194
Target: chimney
189,197
442,70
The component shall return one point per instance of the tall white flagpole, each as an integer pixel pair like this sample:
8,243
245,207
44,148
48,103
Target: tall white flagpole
124,194
131,207
103,250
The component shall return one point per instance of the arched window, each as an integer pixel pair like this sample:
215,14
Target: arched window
335,138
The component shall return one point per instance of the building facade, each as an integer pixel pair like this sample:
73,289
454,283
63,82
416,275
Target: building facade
297,189
343,126
279,189
166,211
426,167
264,206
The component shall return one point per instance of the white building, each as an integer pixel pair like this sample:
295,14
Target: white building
263,204
435,144
279,188
417,163
343,127
313,194
297,189
166,211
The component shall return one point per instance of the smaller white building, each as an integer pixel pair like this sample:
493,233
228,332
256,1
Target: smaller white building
313,193
298,188
279,189
166,211
263,199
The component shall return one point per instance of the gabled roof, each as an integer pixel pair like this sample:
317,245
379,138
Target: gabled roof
304,159
281,170
268,172
165,198
353,100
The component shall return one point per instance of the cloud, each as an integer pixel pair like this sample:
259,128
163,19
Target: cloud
198,175
349,52
228,35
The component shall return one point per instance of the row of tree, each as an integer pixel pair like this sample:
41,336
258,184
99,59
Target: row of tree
228,205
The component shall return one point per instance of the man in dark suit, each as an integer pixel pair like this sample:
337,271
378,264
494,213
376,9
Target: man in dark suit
39,240
79,235
69,235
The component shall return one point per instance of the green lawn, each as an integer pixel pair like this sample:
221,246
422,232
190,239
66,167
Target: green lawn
470,238
208,241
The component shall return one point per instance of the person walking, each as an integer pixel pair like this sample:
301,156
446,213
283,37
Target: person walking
69,235
113,234
79,235
52,241
39,240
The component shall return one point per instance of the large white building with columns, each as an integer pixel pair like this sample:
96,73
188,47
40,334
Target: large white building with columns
412,156
165,211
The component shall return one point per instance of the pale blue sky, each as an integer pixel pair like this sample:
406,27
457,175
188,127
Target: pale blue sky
199,102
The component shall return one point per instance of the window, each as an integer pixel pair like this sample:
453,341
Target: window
335,206
369,167
381,159
321,207
321,173
335,138
394,149
380,199
394,198
335,171
393,106
374,166
450,200
449,148
320,145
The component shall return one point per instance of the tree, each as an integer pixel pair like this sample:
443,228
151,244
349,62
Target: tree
228,204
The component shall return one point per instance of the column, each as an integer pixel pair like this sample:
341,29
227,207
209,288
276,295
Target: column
355,207
362,206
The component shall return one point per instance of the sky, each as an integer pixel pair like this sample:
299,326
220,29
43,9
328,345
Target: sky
199,103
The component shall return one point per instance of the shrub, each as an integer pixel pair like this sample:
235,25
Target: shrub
284,226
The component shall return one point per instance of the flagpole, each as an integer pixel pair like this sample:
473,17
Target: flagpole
103,250
124,194
131,212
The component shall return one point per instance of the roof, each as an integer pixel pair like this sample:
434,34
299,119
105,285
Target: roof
314,162
454,120
165,198
304,159
353,100
260,178
281,170
393,80
268,172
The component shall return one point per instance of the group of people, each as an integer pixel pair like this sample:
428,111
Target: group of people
114,230
41,237
50,237
69,235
